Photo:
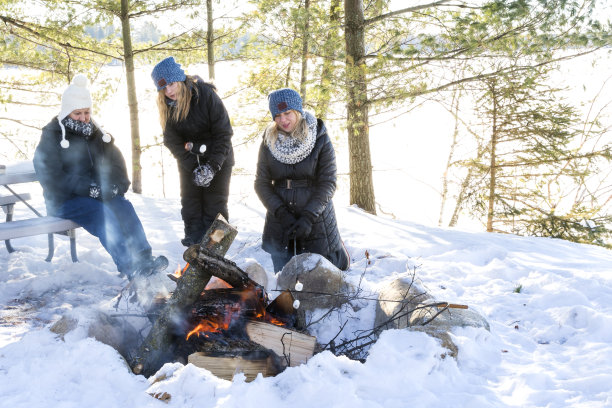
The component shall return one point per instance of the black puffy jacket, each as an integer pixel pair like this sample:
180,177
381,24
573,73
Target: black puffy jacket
319,169
207,123
67,173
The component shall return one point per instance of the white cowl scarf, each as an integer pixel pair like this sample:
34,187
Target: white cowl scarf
290,150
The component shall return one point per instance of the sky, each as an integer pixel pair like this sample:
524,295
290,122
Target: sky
548,303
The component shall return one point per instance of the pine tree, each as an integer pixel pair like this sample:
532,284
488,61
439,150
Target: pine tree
536,156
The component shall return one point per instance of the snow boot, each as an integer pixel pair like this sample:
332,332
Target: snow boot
152,266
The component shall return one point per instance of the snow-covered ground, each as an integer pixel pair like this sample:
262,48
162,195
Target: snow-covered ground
548,302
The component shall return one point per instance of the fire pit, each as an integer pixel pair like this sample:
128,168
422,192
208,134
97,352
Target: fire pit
220,319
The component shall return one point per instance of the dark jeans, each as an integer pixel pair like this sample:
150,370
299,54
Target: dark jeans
115,223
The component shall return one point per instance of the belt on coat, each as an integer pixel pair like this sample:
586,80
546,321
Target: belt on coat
290,183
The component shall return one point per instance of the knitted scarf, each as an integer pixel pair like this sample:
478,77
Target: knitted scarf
85,129
289,149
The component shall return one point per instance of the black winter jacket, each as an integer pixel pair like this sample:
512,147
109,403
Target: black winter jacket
319,168
67,173
207,123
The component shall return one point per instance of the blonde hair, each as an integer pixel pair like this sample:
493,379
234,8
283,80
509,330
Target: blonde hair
183,102
300,132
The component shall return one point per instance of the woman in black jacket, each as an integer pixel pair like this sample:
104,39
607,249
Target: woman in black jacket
295,181
84,178
198,132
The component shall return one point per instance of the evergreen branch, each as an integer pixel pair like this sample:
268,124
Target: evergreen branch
157,47
529,163
403,11
36,32
481,77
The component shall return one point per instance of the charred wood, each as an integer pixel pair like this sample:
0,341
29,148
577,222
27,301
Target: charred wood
159,345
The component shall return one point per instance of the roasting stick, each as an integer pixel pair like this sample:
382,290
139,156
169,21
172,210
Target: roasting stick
450,305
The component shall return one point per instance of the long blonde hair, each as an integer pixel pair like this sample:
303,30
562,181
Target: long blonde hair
183,102
300,132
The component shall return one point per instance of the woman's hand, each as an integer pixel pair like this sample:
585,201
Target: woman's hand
203,175
94,191
302,228
286,217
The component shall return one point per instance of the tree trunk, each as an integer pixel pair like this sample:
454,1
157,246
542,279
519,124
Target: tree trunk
210,40
128,57
305,37
361,183
492,166
329,58
464,187
449,161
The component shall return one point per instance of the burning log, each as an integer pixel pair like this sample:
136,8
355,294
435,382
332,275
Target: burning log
200,257
158,347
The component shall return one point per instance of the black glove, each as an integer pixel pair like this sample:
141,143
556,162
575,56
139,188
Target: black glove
109,194
286,217
302,228
203,175
94,191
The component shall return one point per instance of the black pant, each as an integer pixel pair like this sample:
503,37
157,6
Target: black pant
200,205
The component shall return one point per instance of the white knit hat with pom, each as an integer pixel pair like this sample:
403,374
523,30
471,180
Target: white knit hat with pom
76,96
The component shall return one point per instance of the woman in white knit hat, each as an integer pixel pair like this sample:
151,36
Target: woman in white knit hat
84,179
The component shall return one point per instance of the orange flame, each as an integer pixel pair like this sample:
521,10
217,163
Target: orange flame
217,283
215,324
179,272
249,297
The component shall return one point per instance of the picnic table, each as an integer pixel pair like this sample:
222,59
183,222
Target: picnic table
37,224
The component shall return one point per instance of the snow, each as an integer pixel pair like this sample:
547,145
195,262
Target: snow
548,302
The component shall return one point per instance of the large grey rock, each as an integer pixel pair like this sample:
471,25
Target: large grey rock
324,285
256,272
115,332
405,304
396,300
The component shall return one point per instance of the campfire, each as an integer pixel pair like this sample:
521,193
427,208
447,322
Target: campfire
220,319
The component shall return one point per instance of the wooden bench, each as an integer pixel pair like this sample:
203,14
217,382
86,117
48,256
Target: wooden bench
35,226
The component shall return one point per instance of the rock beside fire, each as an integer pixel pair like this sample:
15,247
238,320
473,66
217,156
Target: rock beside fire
322,284
115,332
405,304
256,272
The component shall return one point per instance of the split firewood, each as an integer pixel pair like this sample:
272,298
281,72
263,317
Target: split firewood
226,366
293,347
